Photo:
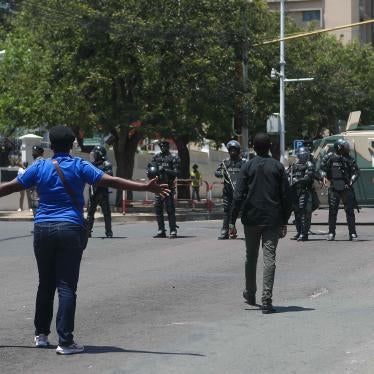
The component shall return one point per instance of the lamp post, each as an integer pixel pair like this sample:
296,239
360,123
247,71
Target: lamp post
282,64
282,85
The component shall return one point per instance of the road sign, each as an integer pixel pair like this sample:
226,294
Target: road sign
298,143
272,124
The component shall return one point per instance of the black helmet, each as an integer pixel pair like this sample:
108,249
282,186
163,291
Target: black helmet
99,150
37,150
164,145
342,147
233,144
152,171
303,154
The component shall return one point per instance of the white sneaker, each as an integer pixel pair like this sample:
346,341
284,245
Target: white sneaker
19,210
41,341
70,350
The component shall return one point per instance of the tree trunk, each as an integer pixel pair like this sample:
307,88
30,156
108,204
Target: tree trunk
184,172
124,152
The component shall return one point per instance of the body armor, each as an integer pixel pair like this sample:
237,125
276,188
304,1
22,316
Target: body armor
166,167
32,192
228,170
342,172
100,196
301,178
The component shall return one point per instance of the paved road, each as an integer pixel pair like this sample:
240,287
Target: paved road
175,306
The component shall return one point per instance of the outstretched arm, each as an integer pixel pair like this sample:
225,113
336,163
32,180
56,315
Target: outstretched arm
9,187
126,184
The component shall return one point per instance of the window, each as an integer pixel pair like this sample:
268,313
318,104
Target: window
311,15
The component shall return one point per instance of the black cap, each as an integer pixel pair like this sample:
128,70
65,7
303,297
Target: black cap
61,137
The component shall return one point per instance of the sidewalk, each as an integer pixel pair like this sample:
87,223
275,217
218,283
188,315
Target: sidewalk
320,216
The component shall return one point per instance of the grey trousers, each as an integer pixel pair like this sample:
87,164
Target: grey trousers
269,236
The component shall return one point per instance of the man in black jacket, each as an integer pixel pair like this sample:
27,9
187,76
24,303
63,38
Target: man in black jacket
262,193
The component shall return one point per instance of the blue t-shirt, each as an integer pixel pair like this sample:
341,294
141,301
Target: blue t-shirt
55,203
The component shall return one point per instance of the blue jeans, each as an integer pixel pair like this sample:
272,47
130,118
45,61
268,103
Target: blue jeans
58,252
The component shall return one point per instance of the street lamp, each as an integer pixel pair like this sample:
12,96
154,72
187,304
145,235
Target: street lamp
282,80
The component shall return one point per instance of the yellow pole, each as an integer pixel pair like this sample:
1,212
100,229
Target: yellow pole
315,32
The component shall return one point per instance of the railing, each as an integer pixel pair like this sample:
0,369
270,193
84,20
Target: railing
126,203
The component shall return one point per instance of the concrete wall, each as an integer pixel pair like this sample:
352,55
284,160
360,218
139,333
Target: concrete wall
207,161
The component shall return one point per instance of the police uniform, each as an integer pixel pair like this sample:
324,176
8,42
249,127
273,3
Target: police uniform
100,195
166,167
342,172
229,170
32,193
301,175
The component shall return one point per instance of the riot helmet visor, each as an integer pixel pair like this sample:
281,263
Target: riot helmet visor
342,147
164,146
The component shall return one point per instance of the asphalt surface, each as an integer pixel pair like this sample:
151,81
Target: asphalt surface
175,306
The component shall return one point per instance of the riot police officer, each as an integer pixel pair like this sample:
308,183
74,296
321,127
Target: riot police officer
37,152
229,171
165,166
100,195
32,193
301,176
342,172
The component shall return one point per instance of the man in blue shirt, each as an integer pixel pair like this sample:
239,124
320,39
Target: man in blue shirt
59,232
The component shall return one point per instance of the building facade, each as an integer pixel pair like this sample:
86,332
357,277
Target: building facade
332,13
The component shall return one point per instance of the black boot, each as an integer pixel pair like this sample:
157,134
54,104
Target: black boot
267,308
302,238
353,237
249,299
160,234
330,237
109,234
173,234
224,234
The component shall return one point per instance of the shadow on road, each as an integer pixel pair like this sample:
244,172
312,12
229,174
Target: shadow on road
185,236
95,349
292,308
347,240
51,346
104,237
16,237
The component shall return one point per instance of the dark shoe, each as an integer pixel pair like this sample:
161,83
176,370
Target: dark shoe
295,237
224,235
173,234
160,234
353,237
249,299
302,238
267,308
109,234
330,237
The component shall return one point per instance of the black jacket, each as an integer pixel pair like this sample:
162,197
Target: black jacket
262,193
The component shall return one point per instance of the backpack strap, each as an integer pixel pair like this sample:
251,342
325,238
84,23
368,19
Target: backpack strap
66,184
